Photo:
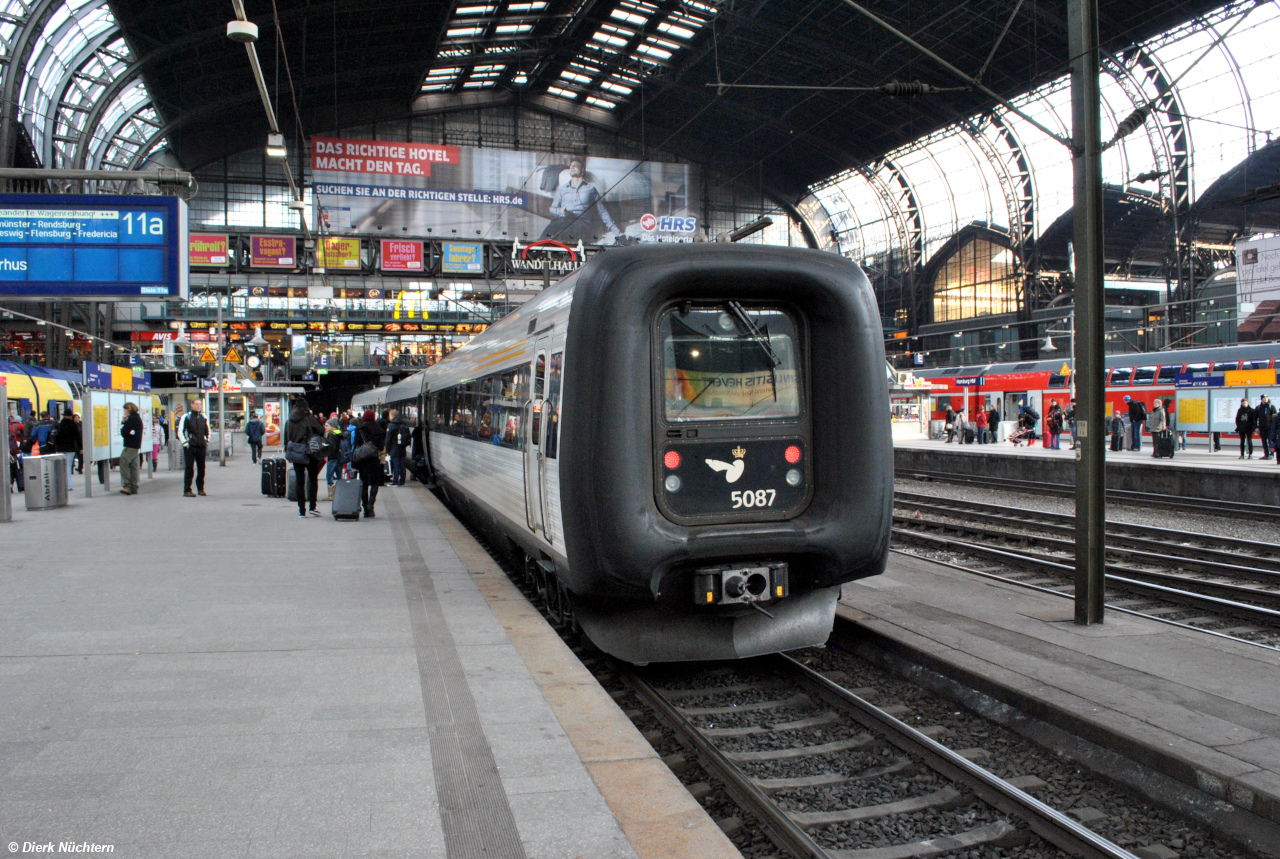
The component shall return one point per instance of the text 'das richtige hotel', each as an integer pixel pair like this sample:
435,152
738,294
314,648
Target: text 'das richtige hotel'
48,847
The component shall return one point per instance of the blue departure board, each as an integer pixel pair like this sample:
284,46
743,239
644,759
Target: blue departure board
61,245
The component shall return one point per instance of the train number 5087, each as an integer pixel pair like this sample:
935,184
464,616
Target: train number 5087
758,498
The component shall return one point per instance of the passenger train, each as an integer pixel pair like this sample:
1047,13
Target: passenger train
1143,376
687,445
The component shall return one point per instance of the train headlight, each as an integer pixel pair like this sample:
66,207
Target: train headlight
672,483
793,477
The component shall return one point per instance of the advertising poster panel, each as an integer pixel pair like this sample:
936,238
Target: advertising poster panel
401,255
462,258
338,253
209,250
1257,280
273,251
362,186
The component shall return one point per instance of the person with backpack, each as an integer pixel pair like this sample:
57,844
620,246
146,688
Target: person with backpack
1137,417
40,432
254,431
399,437
369,443
1264,414
305,448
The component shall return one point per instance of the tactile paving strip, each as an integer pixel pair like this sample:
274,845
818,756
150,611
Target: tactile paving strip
474,812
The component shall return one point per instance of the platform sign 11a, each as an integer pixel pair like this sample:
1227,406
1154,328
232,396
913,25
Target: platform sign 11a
93,246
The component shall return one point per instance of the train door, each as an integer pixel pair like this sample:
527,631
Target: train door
533,443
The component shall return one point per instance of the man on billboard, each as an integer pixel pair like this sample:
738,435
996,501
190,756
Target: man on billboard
577,212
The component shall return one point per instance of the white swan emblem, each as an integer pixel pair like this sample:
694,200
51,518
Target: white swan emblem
731,471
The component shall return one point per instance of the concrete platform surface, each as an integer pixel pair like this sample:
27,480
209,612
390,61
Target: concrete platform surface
1202,709
1196,455
217,677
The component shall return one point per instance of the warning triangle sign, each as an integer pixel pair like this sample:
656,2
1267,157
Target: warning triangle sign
1065,371
207,356
233,357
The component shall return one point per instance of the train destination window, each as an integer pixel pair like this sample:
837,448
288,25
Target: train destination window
1144,375
1169,374
729,362
1120,375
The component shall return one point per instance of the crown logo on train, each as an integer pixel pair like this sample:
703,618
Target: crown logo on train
739,451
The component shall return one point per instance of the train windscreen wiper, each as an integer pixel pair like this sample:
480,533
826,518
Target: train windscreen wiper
759,338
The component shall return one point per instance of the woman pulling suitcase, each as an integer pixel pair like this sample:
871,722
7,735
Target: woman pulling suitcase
367,459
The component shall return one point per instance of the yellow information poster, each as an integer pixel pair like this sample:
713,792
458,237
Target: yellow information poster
1193,410
339,253
101,432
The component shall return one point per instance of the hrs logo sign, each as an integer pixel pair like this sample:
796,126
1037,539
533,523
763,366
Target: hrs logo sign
668,224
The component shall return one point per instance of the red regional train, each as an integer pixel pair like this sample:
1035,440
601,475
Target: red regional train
1142,376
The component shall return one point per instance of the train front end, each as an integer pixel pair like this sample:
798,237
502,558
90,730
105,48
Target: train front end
727,452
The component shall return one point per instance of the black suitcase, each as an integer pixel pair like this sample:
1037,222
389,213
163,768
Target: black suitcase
291,483
273,479
1163,443
969,435
346,498
1116,440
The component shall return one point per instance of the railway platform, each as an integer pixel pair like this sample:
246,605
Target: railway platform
1193,473
1198,711
216,677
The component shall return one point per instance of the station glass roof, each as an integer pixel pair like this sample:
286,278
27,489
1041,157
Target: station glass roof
1225,89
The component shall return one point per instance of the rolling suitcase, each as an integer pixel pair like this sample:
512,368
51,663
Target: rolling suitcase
268,479
969,435
273,478
346,498
1163,443
291,481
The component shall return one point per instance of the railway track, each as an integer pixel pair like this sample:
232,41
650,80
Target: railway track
1219,582
829,774
1207,506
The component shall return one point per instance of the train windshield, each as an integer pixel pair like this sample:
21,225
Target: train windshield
729,362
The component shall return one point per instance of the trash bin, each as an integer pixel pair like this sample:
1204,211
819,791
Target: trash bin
46,479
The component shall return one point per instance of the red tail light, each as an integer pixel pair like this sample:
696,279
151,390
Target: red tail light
671,460
792,454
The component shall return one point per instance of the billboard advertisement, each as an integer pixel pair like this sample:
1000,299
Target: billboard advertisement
460,258
111,247
1258,287
205,249
338,253
273,251
401,255
365,186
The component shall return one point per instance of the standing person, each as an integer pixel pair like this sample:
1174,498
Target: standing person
1275,438
15,453
68,440
1265,415
993,423
1071,422
369,467
1244,425
40,432
131,432
1137,417
1117,431
157,440
399,437
1053,426
1157,422
981,423
193,432
254,430
79,457
951,424
333,452
298,440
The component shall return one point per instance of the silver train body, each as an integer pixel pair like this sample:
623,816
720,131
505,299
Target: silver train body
691,444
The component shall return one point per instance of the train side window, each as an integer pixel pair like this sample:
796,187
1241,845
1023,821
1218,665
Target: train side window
1260,364
1197,368
553,405
1168,374
1219,366
539,380
1121,375
1144,375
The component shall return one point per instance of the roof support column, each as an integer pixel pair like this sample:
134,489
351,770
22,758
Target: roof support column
1091,477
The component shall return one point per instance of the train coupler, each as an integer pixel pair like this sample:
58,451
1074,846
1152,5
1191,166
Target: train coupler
741,584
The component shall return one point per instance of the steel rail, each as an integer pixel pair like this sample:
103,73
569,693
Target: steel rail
1151,551
1207,506
1116,526
1175,595
781,829
1048,823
